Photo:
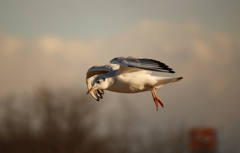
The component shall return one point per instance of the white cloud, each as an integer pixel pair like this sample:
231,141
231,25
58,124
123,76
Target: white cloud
49,44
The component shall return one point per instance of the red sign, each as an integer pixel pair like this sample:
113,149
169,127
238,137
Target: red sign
203,139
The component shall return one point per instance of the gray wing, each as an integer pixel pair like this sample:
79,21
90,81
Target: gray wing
142,63
94,72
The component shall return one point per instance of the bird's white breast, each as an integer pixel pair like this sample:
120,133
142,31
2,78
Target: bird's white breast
131,83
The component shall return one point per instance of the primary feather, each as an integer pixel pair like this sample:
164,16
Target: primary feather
142,63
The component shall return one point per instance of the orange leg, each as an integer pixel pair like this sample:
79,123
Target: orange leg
156,99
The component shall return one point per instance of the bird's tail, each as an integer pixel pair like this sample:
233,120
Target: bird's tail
176,79
165,80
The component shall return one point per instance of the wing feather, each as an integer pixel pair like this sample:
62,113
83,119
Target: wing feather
141,63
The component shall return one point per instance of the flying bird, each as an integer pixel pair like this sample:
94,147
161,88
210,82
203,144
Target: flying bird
128,75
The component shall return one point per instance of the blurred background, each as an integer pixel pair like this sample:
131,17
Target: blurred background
46,47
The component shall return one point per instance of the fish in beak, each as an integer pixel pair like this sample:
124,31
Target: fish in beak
90,90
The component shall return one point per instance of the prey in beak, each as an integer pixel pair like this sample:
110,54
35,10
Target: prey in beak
90,90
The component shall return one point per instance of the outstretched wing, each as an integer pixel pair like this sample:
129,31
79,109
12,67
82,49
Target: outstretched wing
94,72
131,63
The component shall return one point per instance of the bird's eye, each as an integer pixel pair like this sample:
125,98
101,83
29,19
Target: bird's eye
98,81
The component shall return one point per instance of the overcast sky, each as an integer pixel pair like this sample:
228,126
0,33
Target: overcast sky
54,42
84,19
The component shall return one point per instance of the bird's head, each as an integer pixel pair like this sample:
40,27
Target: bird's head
98,83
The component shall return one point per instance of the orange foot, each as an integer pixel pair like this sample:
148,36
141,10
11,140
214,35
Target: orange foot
156,99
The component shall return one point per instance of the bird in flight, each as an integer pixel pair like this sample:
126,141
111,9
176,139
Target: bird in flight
128,75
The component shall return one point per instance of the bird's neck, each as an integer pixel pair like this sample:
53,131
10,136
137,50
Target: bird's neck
110,78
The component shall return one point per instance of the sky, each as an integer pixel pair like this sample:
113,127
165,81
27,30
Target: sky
55,42
89,19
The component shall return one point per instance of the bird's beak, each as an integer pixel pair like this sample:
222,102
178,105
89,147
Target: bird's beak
90,90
